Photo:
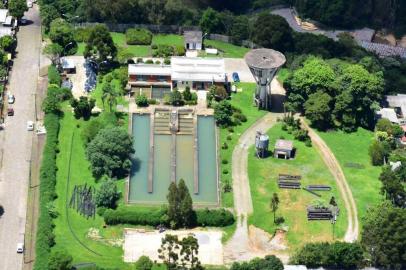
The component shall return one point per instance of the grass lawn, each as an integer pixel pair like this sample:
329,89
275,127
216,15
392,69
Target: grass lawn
98,92
110,255
81,48
353,148
226,49
172,40
243,101
283,74
308,163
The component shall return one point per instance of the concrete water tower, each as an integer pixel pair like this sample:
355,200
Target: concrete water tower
264,63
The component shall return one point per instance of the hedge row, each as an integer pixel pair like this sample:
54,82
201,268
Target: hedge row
45,235
154,217
135,216
53,76
138,36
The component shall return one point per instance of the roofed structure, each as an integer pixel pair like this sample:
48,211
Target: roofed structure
283,148
147,69
3,15
198,69
193,40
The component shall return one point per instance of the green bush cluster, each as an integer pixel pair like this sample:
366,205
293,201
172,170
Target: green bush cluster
165,51
134,216
138,36
336,255
154,217
45,235
53,76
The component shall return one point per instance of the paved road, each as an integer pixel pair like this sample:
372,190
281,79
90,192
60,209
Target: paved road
351,234
16,142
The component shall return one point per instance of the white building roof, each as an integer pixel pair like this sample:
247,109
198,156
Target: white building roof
8,21
149,69
3,15
198,69
388,113
5,31
67,63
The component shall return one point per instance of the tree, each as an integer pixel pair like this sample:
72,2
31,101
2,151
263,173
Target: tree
8,43
48,14
186,205
274,205
54,52
169,251
17,8
384,236
222,113
379,152
318,110
109,153
61,33
187,95
60,260
270,262
109,95
107,195
141,101
180,206
100,45
83,107
240,29
337,255
51,104
90,130
272,31
392,187
210,21
189,253
218,92
176,98
144,263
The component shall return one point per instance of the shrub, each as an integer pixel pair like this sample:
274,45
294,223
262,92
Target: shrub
224,146
157,62
149,61
141,101
152,101
138,36
134,216
53,76
240,117
230,129
227,186
224,161
45,235
229,138
144,263
308,142
164,51
225,171
180,50
140,60
107,195
154,46
167,61
214,218
301,135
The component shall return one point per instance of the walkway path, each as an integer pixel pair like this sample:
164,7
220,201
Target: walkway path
328,157
239,247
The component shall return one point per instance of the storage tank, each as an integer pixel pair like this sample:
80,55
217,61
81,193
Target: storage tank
261,144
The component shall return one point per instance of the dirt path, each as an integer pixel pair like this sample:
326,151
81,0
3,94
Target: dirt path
328,157
240,247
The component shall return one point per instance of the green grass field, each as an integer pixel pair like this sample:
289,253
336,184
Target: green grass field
226,49
172,40
243,101
308,163
109,255
353,148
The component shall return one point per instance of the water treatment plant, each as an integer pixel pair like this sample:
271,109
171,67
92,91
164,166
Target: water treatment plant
172,144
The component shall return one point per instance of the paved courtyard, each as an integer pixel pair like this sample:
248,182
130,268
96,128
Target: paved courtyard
141,242
239,66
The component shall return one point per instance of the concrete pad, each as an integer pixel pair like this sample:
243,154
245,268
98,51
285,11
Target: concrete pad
141,242
79,78
238,65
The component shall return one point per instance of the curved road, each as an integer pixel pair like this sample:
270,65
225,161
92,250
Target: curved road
330,160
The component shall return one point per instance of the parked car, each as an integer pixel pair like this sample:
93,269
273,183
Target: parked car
10,111
236,78
10,98
30,125
20,247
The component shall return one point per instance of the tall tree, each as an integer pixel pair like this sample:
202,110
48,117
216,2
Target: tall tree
17,8
272,31
109,153
100,45
169,251
189,253
318,110
53,52
48,14
274,205
107,195
392,187
210,21
384,236
186,205
61,33
173,205
109,95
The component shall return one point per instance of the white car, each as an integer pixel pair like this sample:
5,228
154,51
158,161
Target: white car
11,98
20,248
30,125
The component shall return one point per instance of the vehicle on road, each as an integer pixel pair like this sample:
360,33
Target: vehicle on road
20,247
10,98
30,125
236,78
10,111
